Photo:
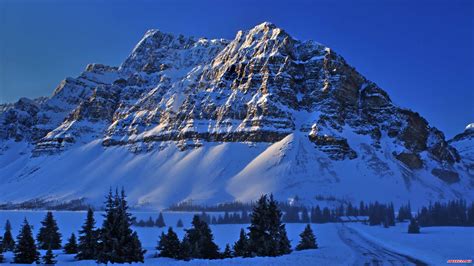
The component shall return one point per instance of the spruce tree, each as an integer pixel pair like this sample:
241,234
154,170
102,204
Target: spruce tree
413,227
179,224
160,222
169,245
308,240
241,248
49,258
25,251
117,242
267,235
49,236
227,252
8,243
305,216
88,237
201,240
71,245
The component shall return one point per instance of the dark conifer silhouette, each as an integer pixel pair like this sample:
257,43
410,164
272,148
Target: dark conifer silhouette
8,243
201,240
227,252
413,227
88,237
179,224
160,221
267,234
117,242
241,248
49,236
169,245
308,240
49,258
25,251
71,245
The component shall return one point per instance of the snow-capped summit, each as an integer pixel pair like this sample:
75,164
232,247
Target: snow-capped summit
470,127
222,120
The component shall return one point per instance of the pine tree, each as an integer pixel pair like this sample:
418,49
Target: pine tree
160,222
267,235
8,243
413,227
49,257
201,240
49,236
87,247
308,240
179,224
227,252
117,242
71,245
169,245
241,246
25,251
185,249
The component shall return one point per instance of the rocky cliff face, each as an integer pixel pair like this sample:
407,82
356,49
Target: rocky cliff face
260,87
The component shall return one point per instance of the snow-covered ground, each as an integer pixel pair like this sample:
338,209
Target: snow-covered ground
340,244
434,245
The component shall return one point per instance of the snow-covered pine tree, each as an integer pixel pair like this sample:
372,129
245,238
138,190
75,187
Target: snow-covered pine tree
307,239
241,248
87,247
71,245
413,227
179,224
160,221
49,236
117,242
227,252
267,234
201,240
25,251
49,258
169,245
8,243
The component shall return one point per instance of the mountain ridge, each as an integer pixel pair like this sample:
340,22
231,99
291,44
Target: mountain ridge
262,89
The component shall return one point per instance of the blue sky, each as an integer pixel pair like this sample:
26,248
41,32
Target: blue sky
420,52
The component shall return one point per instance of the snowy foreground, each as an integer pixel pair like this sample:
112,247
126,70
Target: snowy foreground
340,244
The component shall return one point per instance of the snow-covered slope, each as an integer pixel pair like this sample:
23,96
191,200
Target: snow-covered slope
217,120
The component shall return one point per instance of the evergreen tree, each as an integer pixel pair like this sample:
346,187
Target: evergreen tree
117,242
227,252
71,245
150,222
25,251
49,257
470,215
185,250
316,215
267,235
8,243
241,246
413,227
88,237
179,224
201,240
160,222
291,215
308,240
169,245
49,236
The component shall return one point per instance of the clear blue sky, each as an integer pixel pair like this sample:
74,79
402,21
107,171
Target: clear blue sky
420,52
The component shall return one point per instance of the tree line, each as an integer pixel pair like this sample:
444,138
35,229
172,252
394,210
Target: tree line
114,242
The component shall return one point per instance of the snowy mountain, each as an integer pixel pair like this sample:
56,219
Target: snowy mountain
222,120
